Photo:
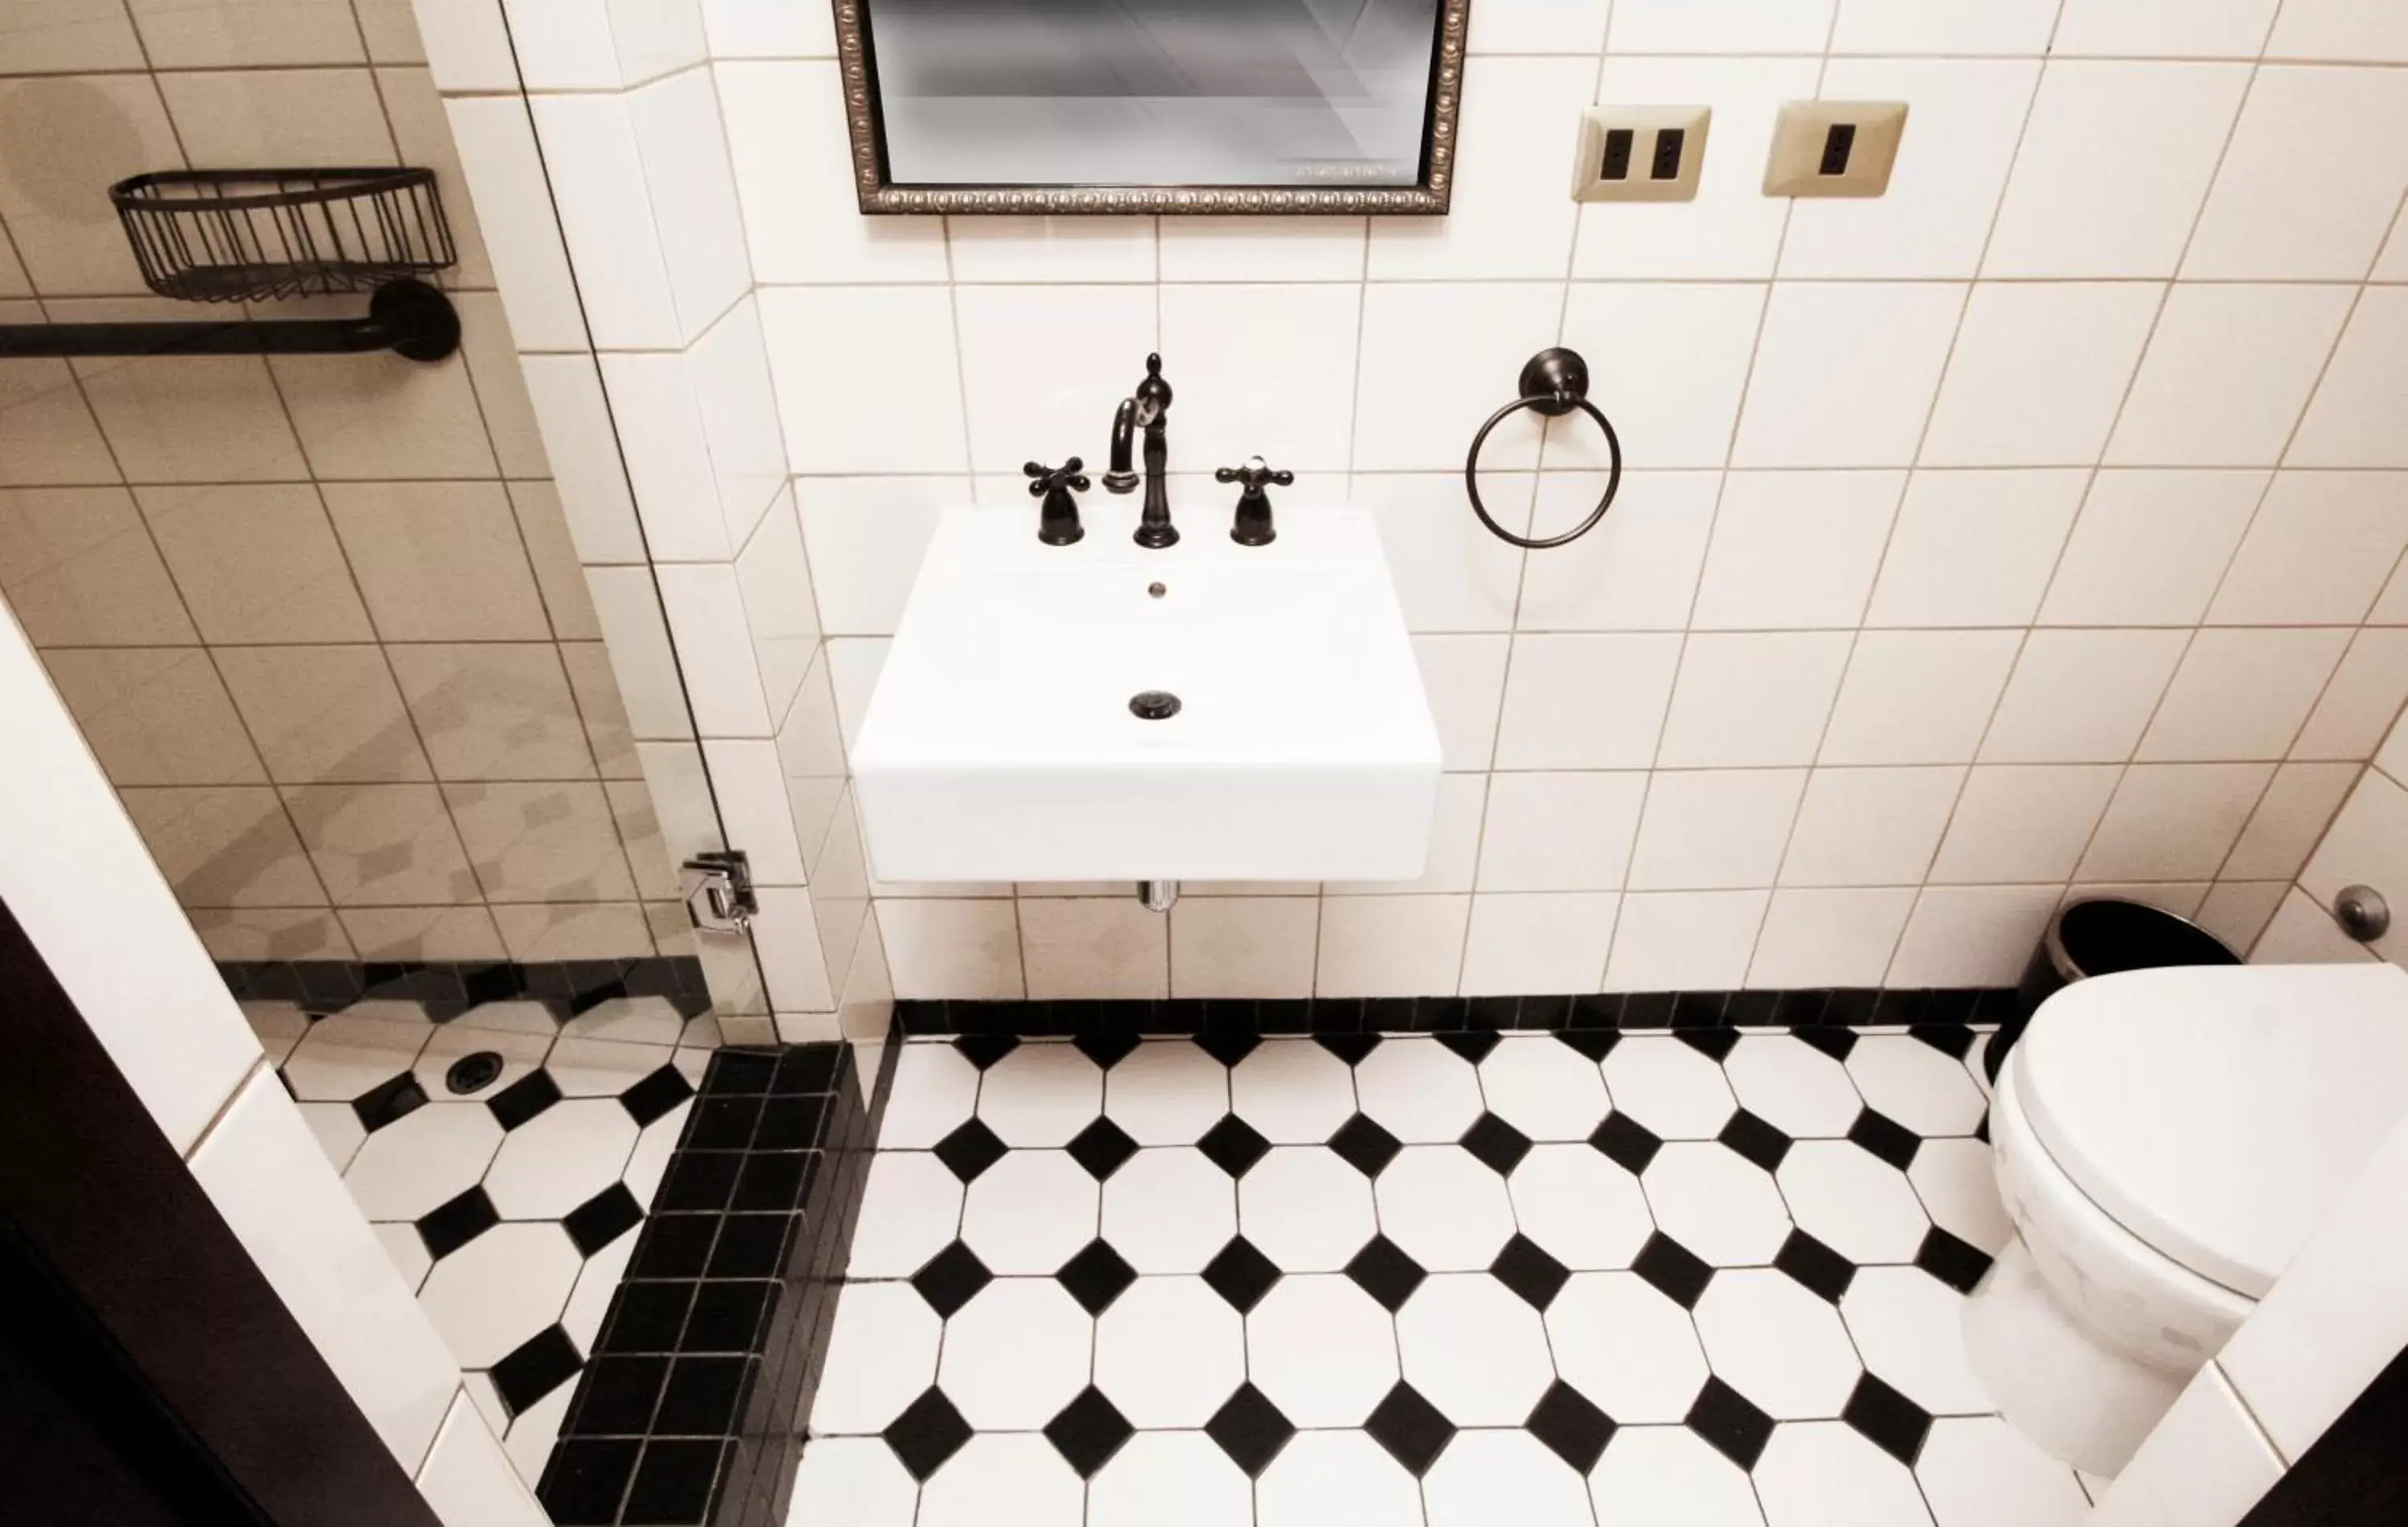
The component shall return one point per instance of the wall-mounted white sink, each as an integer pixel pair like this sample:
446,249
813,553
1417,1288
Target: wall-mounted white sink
1000,743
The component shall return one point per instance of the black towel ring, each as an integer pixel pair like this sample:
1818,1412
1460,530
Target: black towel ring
1553,382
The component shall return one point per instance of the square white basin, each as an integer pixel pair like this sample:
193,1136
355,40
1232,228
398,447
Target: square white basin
1000,744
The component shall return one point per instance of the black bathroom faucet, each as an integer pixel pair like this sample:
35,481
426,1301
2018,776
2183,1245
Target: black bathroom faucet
1147,408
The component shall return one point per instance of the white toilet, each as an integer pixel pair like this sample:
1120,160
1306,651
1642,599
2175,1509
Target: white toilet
2165,1141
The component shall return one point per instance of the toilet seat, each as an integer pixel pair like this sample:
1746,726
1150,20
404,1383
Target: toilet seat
2217,1114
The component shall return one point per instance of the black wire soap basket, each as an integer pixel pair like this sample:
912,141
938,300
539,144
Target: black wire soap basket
262,235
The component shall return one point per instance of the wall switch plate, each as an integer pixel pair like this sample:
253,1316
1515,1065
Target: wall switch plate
1639,152
1834,148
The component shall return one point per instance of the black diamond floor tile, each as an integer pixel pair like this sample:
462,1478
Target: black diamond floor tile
390,1100
1088,1432
1952,1040
984,1050
1731,1422
1886,1138
1241,1273
1596,1043
1364,1146
1234,1145
1675,1271
1893,1423
1498,1145
1573,1430
1754,1139
603,1219
1714,1043
1410,1427
1103,1147
535,1368
928,1432
1817,1267
657,1095
952,1279
1097,1276
1474,1044
1108,1050
970,1151
1957,1263
1526,1268
448,1227
1831,1040
1384,1270
1250,1429
1349,1048
1630,1143
530,1095
1981,1129
1228,1047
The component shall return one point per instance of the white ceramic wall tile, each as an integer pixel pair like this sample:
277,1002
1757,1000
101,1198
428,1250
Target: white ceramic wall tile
1974,548
1536,942
2360,704
1508,215
1243,946
1918,697
1637,570
957,948
1829,938
2023,823
629,611
1051,249
792,163
595,165
505,173
1684,939
2039,372
659,422
1711,830
1390,946
1844,373
775,578
2357,418
583,444
2154,29
2342,29
2318,550
1745,26
2150,547
2283,209
1094,946
2302,932
1972,935
1437,358
1263,371
1795,550
865,537
706,621
1043,367
2173,821
2206,1461
691,187
1870,827
2291,818
1753,699
2227,374
1559,832
467,1478
840,358
1450,573
2241,694
1286,249
1906,27
1581,701
2082,697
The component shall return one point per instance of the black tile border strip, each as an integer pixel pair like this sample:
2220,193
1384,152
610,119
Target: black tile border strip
729,1462
1816,1007
448,988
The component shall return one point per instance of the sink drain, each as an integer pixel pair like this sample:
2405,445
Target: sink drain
1154,705
472,1073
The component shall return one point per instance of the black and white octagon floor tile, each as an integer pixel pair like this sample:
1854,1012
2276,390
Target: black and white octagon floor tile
505,1161
1710,1279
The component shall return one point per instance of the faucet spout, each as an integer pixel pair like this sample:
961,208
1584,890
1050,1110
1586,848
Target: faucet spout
1120,475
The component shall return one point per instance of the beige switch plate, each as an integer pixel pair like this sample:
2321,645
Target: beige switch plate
1647,125
1802,137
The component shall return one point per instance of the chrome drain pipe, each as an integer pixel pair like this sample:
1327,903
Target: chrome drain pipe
1157,895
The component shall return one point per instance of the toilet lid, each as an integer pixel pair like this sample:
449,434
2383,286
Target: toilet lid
2219,1113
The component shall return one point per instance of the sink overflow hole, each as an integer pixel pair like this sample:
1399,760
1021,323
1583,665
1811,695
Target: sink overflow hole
1154,705
472,1072
1157,590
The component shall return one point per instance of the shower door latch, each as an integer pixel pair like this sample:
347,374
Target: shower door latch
719,891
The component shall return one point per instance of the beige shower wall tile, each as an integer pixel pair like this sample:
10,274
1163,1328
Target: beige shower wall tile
639,832
271,933
612,930
553,556
383,845
440,561
424,932
154,715
256,563
542,842
225,847
77,567
605,713
323,715
494,710
186,418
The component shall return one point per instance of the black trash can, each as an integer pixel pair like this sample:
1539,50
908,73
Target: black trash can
2100,935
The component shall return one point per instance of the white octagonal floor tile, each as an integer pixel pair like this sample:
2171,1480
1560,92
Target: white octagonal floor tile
1169,1209
1306,1209
881,1356
1716,1202
1911,1082
1336,1479
344,1056
1824,1474
1166,1092
561,1158
854,1480
1544,1088
1321,1350
426,1158
1016,1354
1444,1208
1169,1479
1633,1352
1293,1092
1980,1472
1852,1201
1169,1352
1957,1181
1030,1212
934,1091
911,1210
1910,1328
1487,1478
1418,1091
1670,1476
1792,1085
338,1132
1475,1349
500,1288
999,1480
1584,1210
519,1052
1041,1095
1670,1088
603,1068
1777,1343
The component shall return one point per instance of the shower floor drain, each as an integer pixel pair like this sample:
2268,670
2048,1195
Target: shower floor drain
473,1072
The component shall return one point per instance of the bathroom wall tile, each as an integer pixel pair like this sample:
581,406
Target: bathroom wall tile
2281,209
2360,704
1970,935
438,561
1581,701
775,578
2289,819
2150,547
2024,822
1945,187
2318,550
2345,29
730,371
382,844
1559,832
1637,570
385,416
2082,697
284,116
658,418
1753,699
2144,29
840,868
793,162
46,434
271,933
1051,249
2241,694
1508,215
1796,550
1263,371
595,165
1829,938
1464,677
750,789
1685,941
1732,229
553,559
1538,26
2206,1461
690,186
505,172
959,949
2356,418
842,356
2039,372
608,731
256,563
655,37
1517,945
68,244
1671,362
853,664
189,419
1391,945
1099,946
1438,355
1094,340
767,29
500,384
1908,26
467,1478
1974,548
322,714
2227,374
1744,26
639,834
155,716
2238,911
2302,932
79,569
1918,697
556,842
2366,846
1454,844
1844,373
1450,573
578,434
603,930
687,813
1870,827
2113,168
563,46
794,963
1243,946
424,932
1712,829
2173,821
1281,248
75,37
225,847
723,678
493,710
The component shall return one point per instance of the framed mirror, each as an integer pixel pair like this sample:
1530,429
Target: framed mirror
1152,106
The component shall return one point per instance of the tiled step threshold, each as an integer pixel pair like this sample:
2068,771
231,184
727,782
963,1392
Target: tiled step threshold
447,989
693,1407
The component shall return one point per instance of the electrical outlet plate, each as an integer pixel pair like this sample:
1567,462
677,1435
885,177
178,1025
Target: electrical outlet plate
1834,148
1639,152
